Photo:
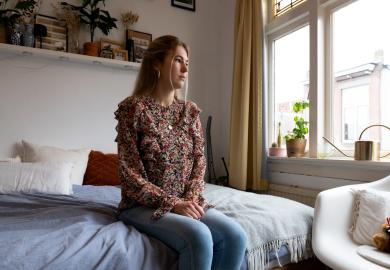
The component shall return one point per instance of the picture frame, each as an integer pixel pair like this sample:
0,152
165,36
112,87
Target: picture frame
120,54
106,53
56,34
140,42
106,43
185,4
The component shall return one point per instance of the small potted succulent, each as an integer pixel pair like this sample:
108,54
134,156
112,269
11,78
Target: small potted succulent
296,140
276,149
92,15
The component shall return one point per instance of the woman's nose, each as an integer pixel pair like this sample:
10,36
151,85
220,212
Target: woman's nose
184,68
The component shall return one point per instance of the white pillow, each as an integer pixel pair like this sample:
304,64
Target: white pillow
15,159
371,209
46,177
39,153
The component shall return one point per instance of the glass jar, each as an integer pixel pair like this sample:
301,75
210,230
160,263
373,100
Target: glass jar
28,35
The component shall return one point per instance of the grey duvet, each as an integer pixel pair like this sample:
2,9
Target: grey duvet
39,231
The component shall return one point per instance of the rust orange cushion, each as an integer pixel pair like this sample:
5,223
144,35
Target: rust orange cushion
102,169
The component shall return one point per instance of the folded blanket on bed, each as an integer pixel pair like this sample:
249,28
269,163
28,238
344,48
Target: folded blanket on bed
269,221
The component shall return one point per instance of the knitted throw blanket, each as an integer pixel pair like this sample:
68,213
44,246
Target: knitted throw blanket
269,221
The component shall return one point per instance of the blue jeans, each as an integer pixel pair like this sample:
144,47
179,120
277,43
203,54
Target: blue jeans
214,242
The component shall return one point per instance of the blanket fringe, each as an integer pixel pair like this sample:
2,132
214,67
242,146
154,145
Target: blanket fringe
299,248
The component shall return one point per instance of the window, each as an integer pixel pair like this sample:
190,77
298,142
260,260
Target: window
361,50
291,71
347,43
282,6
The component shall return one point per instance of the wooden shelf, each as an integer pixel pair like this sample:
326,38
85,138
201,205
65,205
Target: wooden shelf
70,57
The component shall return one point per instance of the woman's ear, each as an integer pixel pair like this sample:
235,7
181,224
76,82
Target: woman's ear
157,66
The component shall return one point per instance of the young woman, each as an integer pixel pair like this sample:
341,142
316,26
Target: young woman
162,164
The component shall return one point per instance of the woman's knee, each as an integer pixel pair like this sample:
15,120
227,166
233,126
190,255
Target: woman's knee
238,236
199,237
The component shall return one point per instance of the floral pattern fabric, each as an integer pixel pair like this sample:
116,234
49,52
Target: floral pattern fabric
161,154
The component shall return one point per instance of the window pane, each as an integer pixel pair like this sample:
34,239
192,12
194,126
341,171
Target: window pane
291,77
282,6
354,112
361,76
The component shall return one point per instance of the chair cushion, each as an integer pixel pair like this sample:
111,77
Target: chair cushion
370,212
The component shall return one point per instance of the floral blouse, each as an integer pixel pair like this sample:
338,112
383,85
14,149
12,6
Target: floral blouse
161,154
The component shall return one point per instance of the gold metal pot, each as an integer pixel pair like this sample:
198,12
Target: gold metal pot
365,150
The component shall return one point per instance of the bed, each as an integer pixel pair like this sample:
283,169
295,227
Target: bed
81,231
58,211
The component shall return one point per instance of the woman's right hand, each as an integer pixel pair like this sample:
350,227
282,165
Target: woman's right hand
189,209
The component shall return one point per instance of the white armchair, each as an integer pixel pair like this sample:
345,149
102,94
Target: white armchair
331,241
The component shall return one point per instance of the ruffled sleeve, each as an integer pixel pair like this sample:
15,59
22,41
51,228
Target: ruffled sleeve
196,183
134,179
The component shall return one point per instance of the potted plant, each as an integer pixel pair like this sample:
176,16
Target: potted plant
91,15
276,149
11,19
296,140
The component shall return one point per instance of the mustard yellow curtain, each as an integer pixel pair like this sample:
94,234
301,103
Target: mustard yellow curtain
245,157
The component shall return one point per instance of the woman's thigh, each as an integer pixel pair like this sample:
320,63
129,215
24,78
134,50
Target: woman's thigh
222,225
174,230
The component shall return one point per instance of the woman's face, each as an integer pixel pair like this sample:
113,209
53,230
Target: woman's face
178,59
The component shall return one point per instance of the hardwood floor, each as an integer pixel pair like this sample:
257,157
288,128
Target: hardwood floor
310,264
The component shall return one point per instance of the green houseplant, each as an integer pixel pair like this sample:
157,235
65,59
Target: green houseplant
94,17
296,140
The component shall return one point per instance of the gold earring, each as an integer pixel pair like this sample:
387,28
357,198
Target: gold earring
158,74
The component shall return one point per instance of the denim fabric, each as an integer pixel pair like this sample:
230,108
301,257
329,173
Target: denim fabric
214,242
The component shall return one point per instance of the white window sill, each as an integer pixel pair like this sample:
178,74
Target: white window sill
341,170
333,161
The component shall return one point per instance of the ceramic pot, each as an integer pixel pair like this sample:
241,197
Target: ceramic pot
91,49
277,152
296,147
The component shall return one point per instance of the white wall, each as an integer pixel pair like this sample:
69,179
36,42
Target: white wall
41,100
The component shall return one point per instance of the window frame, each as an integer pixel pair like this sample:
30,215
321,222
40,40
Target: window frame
317,15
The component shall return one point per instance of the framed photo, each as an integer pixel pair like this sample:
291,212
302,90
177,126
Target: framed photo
106,53
141,42
106,43
55,37
186,4
120,54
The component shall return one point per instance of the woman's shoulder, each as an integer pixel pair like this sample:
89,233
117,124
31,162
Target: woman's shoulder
133,103
193,109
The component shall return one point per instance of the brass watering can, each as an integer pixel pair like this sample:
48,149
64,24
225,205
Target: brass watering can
364,150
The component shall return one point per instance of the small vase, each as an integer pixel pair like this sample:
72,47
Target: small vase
28,35
14,34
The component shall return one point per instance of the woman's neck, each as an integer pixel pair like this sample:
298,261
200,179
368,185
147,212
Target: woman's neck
164,96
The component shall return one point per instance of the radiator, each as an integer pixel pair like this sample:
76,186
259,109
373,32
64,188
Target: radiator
299,194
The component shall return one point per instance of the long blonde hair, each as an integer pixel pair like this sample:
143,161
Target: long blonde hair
157,51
